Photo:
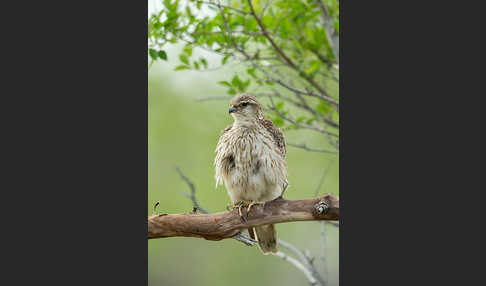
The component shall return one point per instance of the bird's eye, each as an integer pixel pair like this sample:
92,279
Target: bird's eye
244,104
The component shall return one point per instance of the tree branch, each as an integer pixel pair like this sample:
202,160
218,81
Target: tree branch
323,96
223,225
288,60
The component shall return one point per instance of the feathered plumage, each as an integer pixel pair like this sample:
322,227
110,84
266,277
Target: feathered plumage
250,160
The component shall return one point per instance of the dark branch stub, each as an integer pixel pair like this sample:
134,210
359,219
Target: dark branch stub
155,207
321,207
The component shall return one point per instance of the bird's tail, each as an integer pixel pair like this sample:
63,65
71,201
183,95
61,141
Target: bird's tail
267,238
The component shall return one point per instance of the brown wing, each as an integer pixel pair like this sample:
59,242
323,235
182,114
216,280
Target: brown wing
277,134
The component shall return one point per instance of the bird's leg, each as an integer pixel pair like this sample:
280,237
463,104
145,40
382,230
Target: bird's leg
252,204
235,205
240,205
239,210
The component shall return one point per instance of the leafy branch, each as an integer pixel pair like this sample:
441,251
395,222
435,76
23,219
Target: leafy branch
288,48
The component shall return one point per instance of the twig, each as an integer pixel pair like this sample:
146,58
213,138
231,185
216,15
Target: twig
222,97
192,195
224,6
324,262
245,239
248,33
306,126
239,236
155,207
333,223
304,146
267,4
291,88
229,31
322,58
328,26
299,266
305,259
302,105
287,99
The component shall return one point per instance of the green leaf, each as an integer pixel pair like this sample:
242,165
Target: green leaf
315,65
204,62
323,107
285,27
268,21
181,67
242,88
236,81
231,91
157,25
225,83
309,121
188,11
225,59
269,82
300,119
251,71
279,105
196,65
245,85
153,54
277,120
184,59
188,50
162,55
167,4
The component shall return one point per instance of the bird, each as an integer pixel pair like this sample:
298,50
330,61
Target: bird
250,161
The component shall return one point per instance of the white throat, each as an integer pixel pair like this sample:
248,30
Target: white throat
241,121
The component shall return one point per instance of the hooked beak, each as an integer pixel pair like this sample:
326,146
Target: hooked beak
231,110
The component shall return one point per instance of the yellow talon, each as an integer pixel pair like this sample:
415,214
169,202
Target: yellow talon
240,205
249,206
255,203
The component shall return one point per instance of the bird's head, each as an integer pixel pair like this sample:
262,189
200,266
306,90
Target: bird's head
245,109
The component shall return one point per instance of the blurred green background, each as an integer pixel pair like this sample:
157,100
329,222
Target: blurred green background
183,132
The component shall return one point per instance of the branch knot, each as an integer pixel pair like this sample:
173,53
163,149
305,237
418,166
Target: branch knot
321,207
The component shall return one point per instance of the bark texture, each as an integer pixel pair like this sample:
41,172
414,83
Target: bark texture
223,225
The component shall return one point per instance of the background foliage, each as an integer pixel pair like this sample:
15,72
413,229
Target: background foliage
191,37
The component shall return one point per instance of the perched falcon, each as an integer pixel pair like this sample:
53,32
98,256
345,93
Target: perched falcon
250,160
